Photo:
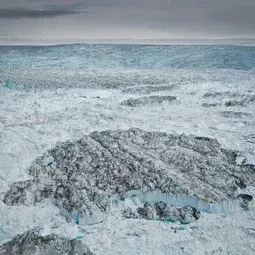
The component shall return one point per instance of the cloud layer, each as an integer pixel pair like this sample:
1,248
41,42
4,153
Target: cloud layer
127,19
19,13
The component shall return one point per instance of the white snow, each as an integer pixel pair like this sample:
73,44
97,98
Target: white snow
211,234
32,122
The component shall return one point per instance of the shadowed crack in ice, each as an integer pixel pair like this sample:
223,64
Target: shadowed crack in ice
32,242
83,175
135,102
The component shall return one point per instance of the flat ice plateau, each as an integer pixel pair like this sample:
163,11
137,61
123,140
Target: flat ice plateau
53,97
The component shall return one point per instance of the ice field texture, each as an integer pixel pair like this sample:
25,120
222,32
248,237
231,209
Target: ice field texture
101,144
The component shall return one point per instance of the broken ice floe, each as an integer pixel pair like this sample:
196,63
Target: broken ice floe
188,170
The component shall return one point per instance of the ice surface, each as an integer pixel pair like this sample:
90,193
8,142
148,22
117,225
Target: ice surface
70,91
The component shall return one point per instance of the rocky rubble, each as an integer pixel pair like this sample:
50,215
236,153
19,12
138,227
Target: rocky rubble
164,212
244,101
148,89
244,200
223,94
231,98
32,243
83,175
136,102
235,114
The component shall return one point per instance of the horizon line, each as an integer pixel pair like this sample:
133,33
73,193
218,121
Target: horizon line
149,41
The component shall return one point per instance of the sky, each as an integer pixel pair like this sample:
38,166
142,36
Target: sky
126,19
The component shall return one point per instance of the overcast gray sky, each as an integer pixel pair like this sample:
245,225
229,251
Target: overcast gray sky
111,19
